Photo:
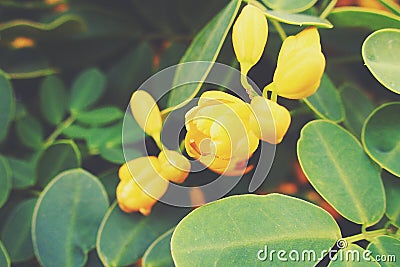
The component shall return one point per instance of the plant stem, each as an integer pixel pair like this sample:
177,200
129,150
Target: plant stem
60,128
279,29
249,89
366,235
274,96
157,140
328,9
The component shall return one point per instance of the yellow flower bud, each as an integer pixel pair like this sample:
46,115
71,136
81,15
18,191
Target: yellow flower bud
174,166
249,37
141,185
300,65
146,113
270,121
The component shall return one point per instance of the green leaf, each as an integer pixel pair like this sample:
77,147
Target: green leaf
7,104
68,212
388,247
392,188
381,136
5,180
4,258
352,255
357,107
16,232
87,89
99,116
336,165
30,132
77,132
298,19
123,238
23,173
381,54
205,47
233,230
105,136
60,156
159,252
372,19
326,102
52,99
290,5
110,181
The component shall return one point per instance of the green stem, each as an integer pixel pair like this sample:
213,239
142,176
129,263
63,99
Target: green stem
182,146
157,140
249,89
328,9
365,236
60,128
279,29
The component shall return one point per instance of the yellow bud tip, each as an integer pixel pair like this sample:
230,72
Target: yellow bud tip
22,42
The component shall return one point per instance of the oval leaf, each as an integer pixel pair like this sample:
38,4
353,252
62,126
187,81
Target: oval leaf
4,258
23,174
16,232
100,116
381,54
290,5
7,104
68,213
30,132
381,137
387,247
5,180
205,47
338,168
392,188
232,231
159,253
298,19
60,156
52,99
326,102
352,255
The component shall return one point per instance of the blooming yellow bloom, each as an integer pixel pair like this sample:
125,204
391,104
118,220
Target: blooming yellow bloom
146,112
219,133
174,166
270,121
300,65
249,37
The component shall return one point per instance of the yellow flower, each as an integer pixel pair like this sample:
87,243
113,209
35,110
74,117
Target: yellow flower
270,121
300,65
141,185
174,166
249,37
146,112
219,134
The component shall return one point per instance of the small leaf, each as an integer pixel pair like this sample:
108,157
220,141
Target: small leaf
357,107
99,116
30,132
381,137
76,132
68,212
205,47
381,54
5,180
16,232
123,238
52,99
7,104
298,19
352,255
4,258
236,230
387,247
60,156
158,254
392,188
23,173
326,102
338,168
290,5
87,89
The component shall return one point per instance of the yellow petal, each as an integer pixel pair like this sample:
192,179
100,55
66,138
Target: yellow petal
146,112
174,166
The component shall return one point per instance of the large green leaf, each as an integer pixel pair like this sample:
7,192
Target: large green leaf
5,180
234,231
290,5
205,47
53,99
100,116
4,258
392,188
326,102
123,238
381,54
68,213
336,165
357,107
7,104
381,136
372,19
60,156
23,173
386,250
30,132
16,232
298,19
159,252
87,89
352,255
